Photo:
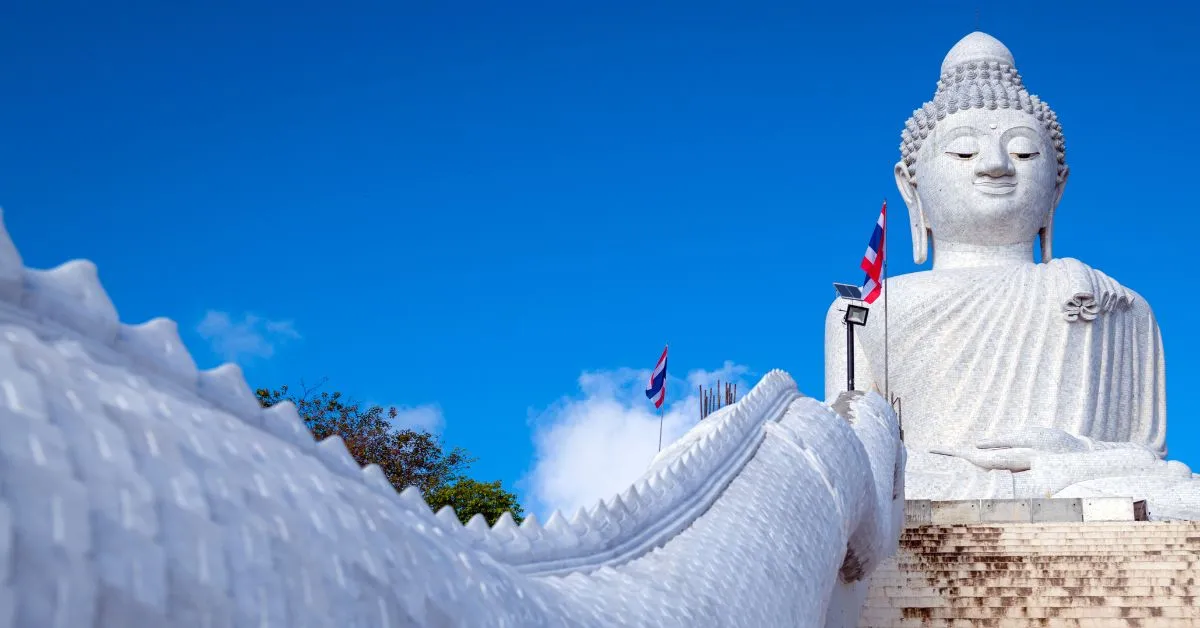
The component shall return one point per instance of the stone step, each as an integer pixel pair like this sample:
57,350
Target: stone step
1041,558
1072,555
1173,580
1066,534
1010,561
1056,622
1052,550
1022,612
994,563
1190,537
999,555
1035,601
1115,547
1058,525
1044,531
1087,528
896,591
1065,570
1035,574
971,577
1014,583
1029,531
1182,539
1076,525
1067,538
979,577
1084,542
1138,541
1082,528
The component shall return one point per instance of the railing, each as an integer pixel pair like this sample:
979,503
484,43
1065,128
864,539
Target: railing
710,401
760,503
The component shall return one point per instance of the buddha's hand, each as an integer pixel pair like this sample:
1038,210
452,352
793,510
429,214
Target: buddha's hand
1018,451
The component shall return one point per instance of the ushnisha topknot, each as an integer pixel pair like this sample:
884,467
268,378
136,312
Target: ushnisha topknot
978,73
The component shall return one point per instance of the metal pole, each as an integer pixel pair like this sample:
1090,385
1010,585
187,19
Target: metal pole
887,380
660,422
849,355
664,396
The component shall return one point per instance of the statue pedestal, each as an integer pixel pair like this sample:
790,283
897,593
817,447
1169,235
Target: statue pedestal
918,512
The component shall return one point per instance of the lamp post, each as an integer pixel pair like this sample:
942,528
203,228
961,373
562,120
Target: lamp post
855,315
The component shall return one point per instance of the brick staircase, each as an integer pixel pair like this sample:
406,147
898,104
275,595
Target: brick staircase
1094,575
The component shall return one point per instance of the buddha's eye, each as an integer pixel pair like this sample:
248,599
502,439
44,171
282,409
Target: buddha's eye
963,148
1023,149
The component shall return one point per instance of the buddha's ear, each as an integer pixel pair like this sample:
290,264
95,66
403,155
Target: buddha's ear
1047,231
916,215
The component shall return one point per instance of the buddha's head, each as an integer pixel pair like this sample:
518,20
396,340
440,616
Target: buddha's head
984,162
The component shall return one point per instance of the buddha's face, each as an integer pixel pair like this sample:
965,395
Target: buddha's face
987,177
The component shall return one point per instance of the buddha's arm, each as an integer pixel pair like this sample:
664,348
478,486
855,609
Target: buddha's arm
835,355
1022,450
1051,473
1054,440
1099,445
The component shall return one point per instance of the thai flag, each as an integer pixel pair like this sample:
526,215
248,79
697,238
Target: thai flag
658,381
873,259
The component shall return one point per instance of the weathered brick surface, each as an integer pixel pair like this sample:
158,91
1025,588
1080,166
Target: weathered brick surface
1055,574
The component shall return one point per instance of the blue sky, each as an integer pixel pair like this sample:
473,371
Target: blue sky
494,214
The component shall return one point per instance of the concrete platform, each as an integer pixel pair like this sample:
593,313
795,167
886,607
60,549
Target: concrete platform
1097,509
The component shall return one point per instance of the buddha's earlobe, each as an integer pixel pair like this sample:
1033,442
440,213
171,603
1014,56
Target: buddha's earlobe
916,214
1046,233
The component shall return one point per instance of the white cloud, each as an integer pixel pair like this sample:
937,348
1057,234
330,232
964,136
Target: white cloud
596,444
427,417
251,337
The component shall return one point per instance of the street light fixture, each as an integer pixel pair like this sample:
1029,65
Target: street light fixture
855,315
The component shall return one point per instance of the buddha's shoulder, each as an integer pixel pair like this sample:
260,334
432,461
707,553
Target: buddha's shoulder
1055,278
909,286
927,283
1102,283
1057,274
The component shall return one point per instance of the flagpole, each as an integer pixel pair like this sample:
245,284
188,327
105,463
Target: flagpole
660,424
887,382
666,346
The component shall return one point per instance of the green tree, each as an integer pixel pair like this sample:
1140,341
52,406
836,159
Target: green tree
470,497
407,457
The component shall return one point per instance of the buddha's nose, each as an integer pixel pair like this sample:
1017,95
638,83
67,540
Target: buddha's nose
995,162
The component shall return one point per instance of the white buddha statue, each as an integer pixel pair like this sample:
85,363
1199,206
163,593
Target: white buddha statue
1017,379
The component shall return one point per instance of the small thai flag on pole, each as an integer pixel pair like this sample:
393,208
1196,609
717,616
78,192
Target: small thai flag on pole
657,390
873,261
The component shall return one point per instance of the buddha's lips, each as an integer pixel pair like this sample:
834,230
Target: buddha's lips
996,187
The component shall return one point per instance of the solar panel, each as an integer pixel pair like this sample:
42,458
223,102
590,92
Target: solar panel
847,291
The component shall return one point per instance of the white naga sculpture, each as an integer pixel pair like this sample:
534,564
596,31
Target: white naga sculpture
1017,379
136,490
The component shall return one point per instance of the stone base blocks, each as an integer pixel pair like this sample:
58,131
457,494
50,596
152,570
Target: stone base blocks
923,512
1104,570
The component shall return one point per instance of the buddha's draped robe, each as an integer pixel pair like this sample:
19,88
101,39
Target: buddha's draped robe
983,352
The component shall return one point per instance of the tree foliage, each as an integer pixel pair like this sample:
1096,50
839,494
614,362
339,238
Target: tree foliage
407,457
470,497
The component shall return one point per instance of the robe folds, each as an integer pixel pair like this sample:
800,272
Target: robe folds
977,353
